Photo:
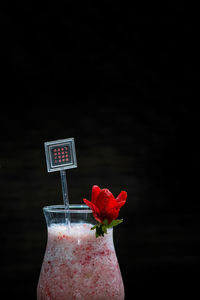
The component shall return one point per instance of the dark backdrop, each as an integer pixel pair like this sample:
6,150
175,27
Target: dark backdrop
123,83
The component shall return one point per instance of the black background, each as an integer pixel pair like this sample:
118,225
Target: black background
123,82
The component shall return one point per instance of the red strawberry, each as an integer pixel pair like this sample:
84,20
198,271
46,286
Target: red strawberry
104,205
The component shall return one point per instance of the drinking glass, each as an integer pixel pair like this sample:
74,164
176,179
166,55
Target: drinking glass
76,264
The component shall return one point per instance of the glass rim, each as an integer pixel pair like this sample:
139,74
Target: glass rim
73,208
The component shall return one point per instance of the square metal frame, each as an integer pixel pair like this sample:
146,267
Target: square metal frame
70,143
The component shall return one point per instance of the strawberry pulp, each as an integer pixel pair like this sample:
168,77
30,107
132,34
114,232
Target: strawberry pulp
77,265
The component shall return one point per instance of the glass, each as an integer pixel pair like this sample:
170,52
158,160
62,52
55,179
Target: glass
76,264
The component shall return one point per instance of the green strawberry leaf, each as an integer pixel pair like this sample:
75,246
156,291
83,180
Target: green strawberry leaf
104,228
94,227
101,228
105,222
115,223
99,231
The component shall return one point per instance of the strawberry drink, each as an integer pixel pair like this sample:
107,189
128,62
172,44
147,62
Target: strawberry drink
77,265
80,262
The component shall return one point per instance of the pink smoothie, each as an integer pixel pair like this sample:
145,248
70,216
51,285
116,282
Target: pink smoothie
77,265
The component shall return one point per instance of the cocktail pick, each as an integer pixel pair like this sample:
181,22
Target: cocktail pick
60,156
